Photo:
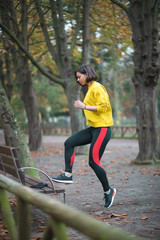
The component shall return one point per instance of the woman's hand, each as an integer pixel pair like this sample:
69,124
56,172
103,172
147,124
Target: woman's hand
79,104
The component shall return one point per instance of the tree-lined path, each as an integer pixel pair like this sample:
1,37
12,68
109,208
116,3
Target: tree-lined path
136,208
42,43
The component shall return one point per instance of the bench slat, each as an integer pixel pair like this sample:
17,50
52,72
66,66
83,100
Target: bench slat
6,159
9,169
6,150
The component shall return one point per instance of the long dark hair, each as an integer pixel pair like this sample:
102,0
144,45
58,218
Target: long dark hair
87,69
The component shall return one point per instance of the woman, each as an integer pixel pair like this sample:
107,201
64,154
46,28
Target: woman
98,113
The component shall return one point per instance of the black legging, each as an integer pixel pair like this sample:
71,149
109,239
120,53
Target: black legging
98,137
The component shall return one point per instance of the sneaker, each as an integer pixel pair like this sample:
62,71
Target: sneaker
63,179
109,197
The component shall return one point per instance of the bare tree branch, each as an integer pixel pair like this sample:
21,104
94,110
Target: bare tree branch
85,27
36,24
120,5
60,34
44,28
56,27
29,56
76,29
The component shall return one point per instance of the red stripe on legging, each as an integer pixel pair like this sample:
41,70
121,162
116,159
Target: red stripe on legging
72,158
97,145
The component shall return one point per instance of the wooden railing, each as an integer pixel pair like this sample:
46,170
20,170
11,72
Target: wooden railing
118,131
59,131
124,131
60,216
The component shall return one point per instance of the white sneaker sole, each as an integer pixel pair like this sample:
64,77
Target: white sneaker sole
62,181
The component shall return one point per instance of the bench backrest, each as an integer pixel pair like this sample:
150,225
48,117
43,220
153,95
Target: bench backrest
9,163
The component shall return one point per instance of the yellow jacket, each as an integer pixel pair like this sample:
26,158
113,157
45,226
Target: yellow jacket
98,96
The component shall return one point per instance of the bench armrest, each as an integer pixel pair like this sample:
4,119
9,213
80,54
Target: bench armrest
50,180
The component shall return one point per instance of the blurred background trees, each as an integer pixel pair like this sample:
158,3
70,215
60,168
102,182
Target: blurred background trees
43,42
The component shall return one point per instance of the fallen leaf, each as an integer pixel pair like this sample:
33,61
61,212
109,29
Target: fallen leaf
144,217
102,218
134,203
149,211
128,221
123,216
120,203
42,227
114,215
114,172
12,203
126,178
113,161
156,174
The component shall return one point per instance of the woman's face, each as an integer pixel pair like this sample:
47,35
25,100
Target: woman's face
81,78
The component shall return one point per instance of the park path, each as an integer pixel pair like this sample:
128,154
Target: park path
136,208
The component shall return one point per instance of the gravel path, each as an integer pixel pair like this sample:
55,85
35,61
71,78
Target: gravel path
136,208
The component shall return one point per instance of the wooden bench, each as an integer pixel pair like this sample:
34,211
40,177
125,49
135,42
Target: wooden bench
10,166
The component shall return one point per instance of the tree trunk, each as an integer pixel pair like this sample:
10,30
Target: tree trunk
143,18
13,133
85,28
116,101
29,99
146,124
85,37
8,86
27,89
159,141
77,118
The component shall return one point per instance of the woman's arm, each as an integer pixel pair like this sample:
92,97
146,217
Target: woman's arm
81,105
